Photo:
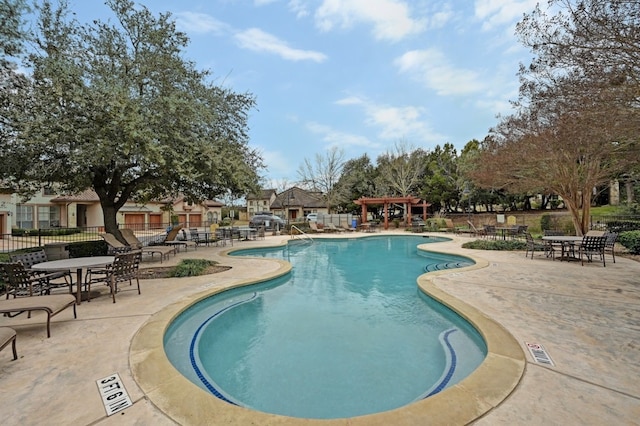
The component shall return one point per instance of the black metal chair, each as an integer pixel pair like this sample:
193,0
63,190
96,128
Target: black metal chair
533,245
610,244
53,278
21,282
590,247
124,268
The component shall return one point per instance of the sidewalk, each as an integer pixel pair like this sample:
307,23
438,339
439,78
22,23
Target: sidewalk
587,318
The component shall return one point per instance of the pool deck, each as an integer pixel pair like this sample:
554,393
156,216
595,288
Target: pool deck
586,317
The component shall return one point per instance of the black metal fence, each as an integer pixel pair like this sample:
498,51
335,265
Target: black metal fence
615,223
22,239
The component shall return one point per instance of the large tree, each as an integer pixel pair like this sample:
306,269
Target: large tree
322,174
115,107
357,180
577,115
12,82
400,171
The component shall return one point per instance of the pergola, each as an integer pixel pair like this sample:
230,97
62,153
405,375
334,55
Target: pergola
407,201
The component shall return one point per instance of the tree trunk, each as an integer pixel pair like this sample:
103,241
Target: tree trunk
109,213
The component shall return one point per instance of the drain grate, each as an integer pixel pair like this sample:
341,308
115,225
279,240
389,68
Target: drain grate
539,354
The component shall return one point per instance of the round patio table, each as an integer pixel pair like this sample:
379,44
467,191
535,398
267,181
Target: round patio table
77,263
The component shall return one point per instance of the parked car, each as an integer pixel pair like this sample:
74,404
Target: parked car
312,217
269,221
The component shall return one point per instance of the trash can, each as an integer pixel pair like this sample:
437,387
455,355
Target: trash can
354,223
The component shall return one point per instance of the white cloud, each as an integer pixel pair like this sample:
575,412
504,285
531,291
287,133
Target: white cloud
260,41
391,19
395,122
432,69
199,23
496,13
336,138
299,8
263,2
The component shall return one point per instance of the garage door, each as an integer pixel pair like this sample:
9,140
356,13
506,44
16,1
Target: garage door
134,221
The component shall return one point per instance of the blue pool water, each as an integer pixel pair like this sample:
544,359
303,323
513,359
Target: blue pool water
346,333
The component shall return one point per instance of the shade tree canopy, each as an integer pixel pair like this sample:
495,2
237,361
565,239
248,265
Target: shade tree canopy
577,117
114,107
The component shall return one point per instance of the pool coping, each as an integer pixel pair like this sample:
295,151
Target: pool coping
186,403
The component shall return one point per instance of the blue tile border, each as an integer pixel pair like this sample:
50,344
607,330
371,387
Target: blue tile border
194,339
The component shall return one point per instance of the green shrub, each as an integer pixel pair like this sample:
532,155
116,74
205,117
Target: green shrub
631,241
20,232
191,267
505,245
87,248
545,222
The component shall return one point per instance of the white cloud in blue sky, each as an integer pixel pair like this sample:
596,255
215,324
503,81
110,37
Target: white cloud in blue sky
357,74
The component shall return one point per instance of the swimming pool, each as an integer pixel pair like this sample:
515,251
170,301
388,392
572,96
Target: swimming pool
345,333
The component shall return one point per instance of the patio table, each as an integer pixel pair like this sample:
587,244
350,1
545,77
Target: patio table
567,242
77,263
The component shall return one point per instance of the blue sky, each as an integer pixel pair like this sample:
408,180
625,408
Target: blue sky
362,75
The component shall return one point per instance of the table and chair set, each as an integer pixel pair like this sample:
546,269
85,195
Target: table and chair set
31,284
594,245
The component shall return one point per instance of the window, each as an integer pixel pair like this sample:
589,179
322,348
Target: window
48,191
24,216
48,217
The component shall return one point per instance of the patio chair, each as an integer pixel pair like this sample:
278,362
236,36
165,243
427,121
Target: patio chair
31,258
490,232
551,247
533,245
610,244
590,247
8,335
124,268
51,305
22,283
136,244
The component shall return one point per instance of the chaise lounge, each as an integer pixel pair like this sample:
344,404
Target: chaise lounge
51,304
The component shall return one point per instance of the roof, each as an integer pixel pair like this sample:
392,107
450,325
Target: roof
265,194
298,197
87,195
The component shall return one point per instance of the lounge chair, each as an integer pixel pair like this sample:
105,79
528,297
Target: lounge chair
448,226
51,304
8,335
115,246
345,225
173,241
333,228
136,244
314,227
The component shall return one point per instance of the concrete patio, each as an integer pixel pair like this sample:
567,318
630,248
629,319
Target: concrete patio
587,318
